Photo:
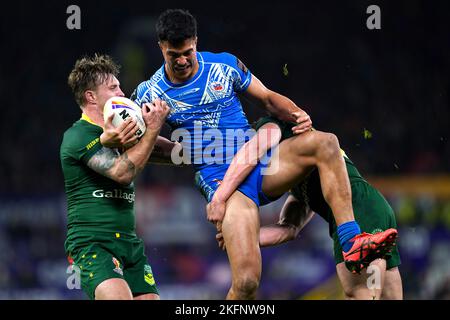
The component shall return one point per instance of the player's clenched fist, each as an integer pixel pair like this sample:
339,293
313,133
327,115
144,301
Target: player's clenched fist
303,121
122,136
155,113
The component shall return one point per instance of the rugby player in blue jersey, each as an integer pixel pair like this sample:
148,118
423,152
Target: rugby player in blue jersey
201,89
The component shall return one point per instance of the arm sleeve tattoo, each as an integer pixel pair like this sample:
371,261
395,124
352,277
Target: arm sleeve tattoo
104,160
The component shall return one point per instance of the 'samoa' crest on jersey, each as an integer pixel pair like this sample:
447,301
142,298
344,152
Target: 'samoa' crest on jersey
218,85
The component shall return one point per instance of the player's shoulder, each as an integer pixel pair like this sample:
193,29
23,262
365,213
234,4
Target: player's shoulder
74,131
80,134
219,57
231,63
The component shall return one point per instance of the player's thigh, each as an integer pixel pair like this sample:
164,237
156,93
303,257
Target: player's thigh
139,274
98,262
113,289
290,163
365,286
393,288
240,229
147,296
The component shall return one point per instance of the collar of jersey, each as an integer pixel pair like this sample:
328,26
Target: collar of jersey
191,80
85,117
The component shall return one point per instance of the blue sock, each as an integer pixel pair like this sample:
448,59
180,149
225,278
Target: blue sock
346,232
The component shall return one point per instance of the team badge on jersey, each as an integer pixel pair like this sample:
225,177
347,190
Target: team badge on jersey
217,86
148,275
117,269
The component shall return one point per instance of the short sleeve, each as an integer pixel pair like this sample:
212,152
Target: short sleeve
241,75
81,143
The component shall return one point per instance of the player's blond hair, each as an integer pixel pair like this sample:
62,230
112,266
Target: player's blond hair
89,72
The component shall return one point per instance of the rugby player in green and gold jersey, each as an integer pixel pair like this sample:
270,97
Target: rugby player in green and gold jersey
101,237
372,212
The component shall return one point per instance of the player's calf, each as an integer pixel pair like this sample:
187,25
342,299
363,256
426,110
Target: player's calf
393,288
365,286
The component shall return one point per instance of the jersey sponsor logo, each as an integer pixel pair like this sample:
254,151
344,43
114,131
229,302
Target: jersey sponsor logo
193,90
92,143
115,194
117,269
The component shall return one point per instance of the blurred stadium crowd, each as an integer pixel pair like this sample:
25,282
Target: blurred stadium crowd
384,93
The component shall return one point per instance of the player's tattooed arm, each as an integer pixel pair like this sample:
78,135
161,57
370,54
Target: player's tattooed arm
124,167
110,163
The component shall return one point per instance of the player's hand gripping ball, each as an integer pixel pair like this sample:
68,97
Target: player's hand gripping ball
123,108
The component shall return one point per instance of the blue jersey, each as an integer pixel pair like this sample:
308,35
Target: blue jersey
204,108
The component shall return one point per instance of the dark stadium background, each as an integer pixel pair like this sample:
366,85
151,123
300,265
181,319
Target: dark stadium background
392,83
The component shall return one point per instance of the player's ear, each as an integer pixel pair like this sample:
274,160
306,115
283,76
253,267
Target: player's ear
90,96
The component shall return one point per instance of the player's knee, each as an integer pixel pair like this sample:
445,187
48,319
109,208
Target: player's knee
361,293
328,146
351,294
246,286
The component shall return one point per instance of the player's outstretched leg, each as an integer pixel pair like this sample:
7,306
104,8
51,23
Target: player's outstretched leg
240,229
299,155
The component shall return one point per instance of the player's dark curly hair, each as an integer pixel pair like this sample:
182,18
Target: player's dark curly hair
175,26
89,72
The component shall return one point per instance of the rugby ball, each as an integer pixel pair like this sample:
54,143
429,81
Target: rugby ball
123,108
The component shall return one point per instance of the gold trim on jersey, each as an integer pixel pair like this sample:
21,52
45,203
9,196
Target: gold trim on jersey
344,154
85,117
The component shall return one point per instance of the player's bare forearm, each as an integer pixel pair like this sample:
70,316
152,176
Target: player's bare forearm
295,212
285,109
274,234
124,167
162,151
239,168
246,159
277,105
293,217
281,107
242,164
